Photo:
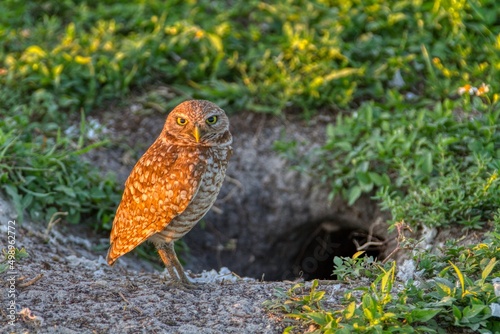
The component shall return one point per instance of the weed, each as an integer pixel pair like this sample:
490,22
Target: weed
9,259
43,173
253,55
427,166
453,294
350,268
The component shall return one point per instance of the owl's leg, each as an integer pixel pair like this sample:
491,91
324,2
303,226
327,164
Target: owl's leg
169,258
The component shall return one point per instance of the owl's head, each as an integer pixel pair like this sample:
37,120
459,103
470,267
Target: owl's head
198,122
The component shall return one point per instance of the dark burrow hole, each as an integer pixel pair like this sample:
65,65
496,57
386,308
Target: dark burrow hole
316,246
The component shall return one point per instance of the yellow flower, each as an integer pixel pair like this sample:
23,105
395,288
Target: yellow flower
199,34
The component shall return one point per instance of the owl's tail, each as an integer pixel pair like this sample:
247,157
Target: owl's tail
110,258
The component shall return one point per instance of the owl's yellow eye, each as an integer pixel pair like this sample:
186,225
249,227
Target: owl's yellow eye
211,120
181,121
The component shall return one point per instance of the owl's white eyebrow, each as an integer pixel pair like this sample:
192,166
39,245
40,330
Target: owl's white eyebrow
182,116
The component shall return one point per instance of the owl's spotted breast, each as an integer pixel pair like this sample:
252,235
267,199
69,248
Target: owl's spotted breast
203,200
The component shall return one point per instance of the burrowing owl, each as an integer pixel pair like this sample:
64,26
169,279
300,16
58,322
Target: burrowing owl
174,183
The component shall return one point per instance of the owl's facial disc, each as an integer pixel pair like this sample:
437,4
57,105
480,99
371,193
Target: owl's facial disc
198,122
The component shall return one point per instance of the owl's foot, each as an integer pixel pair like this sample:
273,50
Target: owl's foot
177,276
185,286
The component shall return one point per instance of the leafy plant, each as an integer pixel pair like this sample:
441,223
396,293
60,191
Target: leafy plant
9,260
445,297
428,166
259,56
44,175
350,268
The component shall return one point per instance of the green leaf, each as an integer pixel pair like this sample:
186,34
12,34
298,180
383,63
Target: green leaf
21,253
90,147
318,317
344,146
35,193
97,193
426,163
470,312
423,315
363,178
314,285
26,201
446,141
368,304
11,141
378,179
457,314
67,190
353,195
317,296
330,131
363,167
343,331
338,261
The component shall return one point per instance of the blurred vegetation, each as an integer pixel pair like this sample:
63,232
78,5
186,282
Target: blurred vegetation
247,54
391,71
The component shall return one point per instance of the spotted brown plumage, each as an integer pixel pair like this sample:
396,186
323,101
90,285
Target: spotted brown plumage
174,183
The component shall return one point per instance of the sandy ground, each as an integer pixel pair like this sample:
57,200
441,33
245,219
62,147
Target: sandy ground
65,286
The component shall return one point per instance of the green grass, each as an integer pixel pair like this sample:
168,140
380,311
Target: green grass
42,172
449,293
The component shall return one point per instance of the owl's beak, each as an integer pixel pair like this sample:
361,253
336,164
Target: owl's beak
196,133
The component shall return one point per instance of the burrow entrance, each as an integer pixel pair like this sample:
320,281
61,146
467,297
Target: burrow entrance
308,251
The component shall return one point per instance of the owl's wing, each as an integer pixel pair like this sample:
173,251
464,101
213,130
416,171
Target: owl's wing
159,188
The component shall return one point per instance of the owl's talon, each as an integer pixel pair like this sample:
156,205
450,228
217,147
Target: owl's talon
181,285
